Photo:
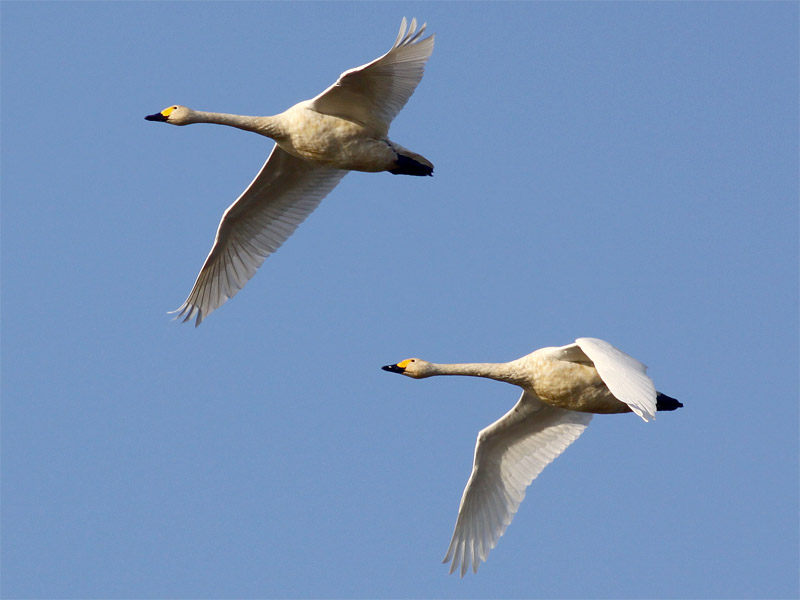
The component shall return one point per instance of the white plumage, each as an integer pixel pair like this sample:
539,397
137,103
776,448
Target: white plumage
562,388
317,142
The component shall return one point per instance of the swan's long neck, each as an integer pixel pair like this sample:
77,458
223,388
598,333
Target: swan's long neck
498,371
267,126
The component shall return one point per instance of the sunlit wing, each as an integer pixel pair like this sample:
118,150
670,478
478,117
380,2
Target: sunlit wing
283,194
625,376
374,93
509,454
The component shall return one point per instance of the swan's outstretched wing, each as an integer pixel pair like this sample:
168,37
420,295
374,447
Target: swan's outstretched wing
510,453
374,93
283,194
625,376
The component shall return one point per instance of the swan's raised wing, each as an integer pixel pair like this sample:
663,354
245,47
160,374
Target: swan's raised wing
510,453
625,376
374,93
283,194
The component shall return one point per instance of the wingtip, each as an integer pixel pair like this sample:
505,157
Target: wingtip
409,34
452,568
644,415
401,33
462,564
188,312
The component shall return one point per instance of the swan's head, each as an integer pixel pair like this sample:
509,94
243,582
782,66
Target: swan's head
412,367
176,115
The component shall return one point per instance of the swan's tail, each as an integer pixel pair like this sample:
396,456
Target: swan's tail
410,163
664,402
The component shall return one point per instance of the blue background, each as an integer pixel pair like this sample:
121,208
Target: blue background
626,171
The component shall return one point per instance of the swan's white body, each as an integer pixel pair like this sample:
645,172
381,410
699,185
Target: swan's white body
562,388
318,141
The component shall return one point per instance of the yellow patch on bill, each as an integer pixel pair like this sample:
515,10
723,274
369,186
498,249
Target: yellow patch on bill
166,112
404,363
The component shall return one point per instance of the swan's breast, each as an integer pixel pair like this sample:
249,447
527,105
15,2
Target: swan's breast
575,387
332,141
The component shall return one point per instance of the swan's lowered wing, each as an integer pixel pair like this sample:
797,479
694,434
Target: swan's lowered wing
283,194
625,376
509,454
374,93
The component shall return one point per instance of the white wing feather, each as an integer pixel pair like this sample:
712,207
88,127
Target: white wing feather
625,376
283,194
509,454
374,93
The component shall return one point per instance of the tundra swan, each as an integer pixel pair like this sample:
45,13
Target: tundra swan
561,388
317,142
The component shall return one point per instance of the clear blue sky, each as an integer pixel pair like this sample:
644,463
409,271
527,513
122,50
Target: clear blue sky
627,171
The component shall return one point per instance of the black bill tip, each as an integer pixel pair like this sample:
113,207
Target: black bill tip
155,117
393,369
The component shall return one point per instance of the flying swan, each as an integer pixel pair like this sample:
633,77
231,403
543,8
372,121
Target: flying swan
317,142
561,389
